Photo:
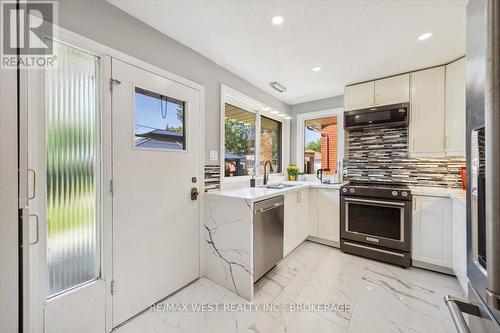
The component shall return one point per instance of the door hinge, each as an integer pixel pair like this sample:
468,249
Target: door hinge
111,187
113,287
112,82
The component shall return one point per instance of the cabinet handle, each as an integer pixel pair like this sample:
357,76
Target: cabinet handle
447,142
413,143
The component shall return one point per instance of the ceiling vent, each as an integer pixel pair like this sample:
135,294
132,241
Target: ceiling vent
277,86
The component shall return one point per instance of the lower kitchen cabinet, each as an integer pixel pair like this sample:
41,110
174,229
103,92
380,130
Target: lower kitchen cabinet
324,215
296,226
432,233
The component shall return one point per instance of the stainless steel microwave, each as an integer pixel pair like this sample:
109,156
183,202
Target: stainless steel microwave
389,115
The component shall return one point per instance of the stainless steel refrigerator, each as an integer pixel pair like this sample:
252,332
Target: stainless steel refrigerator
481,311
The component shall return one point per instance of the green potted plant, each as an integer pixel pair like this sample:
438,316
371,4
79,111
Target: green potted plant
293,171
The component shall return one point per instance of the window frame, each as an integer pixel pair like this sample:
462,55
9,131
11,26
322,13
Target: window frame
301,119
184,121
235,98
280,153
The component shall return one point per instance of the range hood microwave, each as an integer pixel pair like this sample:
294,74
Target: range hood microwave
391,115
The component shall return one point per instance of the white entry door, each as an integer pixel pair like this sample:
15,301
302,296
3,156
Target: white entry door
156,163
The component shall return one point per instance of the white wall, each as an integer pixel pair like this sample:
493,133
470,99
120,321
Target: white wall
8,203
108,25
318,105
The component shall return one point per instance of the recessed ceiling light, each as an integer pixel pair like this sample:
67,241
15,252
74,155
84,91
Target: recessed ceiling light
288,117
266,109
275,112
425,35
316,69
277,19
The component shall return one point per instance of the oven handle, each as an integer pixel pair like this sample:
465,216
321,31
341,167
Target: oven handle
374,249
385,203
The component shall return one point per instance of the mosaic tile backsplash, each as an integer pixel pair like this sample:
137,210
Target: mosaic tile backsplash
381,155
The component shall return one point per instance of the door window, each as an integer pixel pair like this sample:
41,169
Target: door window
159,121
72,167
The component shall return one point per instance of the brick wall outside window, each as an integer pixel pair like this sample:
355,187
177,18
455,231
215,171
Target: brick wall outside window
331,131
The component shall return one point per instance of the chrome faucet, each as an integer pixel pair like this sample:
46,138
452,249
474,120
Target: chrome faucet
266,176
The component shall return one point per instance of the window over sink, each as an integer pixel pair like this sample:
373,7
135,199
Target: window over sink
253,134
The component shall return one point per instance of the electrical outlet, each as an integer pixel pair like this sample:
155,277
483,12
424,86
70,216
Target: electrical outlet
214,155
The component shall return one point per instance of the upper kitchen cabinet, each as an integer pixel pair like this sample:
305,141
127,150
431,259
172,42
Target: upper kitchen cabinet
455,108
359,96
392,90
427,117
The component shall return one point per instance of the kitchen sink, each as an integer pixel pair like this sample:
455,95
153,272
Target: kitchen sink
279,186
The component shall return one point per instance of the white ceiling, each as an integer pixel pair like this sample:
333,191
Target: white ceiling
352,41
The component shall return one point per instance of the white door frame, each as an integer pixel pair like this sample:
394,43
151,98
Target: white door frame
301,117
9,247
106,53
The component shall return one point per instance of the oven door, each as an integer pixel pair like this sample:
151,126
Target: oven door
380,222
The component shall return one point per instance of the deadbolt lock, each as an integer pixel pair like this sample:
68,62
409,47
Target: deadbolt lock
194,193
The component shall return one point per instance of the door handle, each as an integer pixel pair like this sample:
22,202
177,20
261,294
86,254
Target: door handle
33,187
194,193
37,228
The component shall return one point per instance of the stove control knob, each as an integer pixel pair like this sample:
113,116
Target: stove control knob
394,193
344,190
404,194
351,190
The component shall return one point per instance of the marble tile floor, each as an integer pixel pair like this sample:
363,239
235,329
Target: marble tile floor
382,298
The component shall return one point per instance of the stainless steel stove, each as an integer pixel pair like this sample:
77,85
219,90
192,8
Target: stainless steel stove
375,221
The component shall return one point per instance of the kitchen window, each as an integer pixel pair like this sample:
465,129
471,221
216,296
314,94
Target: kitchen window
251,137
320,141
239,134
320,144
270,144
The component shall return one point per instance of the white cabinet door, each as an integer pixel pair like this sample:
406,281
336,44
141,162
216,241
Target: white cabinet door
432,231
455,108
329,214
392,90
313,212
460,242
302,216
427,112
359,96
290,223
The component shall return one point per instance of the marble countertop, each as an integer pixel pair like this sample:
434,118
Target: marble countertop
454,193
260,193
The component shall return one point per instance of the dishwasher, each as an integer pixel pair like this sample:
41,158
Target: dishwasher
267,235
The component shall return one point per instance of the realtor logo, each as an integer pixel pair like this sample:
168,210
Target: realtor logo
28,30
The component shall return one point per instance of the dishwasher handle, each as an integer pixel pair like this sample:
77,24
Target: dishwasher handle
268,204
262,210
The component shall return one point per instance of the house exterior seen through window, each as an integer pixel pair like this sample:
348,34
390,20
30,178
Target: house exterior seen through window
320,145
159,121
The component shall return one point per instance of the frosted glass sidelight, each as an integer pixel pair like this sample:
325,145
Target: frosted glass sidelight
73,223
